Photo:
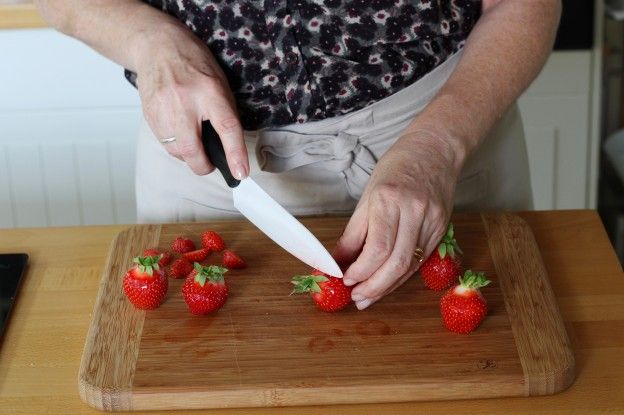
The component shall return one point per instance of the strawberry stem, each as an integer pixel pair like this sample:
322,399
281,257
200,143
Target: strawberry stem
147,264
449,243
473,281
307,283
212,273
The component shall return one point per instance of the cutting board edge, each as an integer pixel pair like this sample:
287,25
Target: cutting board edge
442,390
91,392
117,399
552,374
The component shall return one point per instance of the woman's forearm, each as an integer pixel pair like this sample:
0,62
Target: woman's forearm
502,56
115,28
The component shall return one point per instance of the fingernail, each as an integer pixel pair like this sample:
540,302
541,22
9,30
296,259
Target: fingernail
239,171
348,282
361,305
358,297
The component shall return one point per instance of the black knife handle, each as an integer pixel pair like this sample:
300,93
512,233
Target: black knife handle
214,150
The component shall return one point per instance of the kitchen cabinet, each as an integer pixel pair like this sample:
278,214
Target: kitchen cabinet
562,112
558,113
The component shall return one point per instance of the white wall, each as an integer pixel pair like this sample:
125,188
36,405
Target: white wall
68,124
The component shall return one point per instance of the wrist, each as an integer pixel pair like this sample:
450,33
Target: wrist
453,150
154,38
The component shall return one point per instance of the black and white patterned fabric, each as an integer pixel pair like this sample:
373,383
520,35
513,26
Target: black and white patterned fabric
292,61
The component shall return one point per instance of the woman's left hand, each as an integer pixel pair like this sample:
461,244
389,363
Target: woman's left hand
406,205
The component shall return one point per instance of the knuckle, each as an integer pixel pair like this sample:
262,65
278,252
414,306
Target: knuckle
418,205
401,263
389,192
179,92
230,125
214,85
380,246
373,291
201,170
187,149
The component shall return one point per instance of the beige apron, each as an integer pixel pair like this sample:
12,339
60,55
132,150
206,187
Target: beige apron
322,167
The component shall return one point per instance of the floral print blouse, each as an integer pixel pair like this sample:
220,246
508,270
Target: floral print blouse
292,61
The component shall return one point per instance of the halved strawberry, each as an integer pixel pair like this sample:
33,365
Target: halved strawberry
181,245
233,261
180,268
197,255
212,241
145,283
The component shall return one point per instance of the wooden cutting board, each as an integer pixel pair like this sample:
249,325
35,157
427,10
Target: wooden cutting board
266,348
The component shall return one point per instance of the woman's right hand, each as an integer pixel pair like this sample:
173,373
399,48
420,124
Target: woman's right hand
181,84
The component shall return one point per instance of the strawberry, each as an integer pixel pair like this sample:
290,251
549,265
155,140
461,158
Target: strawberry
182,245
463,307
204,289
329,293
180,268
233,261
196,256
443,266
145,283
165,258
212,241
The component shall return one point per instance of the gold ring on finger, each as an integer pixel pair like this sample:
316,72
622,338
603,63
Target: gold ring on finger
419,254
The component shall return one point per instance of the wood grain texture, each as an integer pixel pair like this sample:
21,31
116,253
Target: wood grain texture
265,348
41,350
541,339
107,367
20,14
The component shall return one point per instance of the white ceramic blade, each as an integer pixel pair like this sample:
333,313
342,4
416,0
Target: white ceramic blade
279,225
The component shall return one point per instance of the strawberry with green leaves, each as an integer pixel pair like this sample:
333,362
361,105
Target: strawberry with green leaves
443,266
463,307
205,289
329,293
145,283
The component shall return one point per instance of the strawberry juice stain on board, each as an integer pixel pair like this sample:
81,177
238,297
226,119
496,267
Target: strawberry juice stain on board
372,328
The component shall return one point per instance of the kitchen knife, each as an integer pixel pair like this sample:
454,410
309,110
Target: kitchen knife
268,215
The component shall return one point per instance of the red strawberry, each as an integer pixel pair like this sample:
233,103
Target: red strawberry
145,283
196,256
463,307
233,261
205,289
182,245
180,268
329,293
443,266
165,259
212,241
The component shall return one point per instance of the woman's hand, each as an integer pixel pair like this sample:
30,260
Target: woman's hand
406,205
181,85
179,81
